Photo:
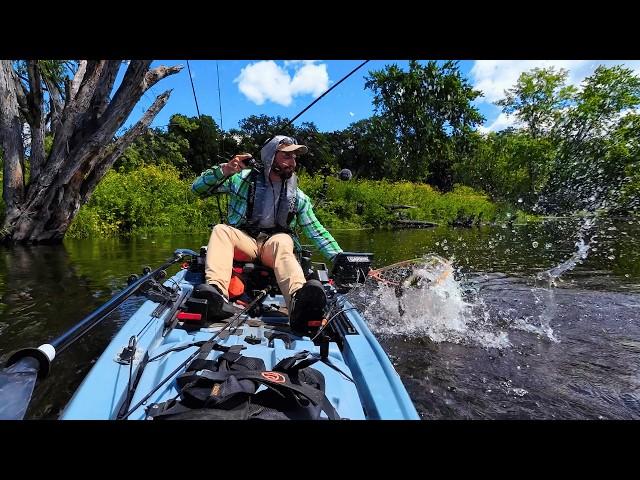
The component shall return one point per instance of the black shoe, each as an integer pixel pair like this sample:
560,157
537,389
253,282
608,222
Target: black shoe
307,304
216,301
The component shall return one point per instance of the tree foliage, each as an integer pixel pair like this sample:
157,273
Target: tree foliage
576,147
154,147
206,142
573,148
429,112
538,99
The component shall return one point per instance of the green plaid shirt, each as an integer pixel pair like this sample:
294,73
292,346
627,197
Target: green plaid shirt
238,188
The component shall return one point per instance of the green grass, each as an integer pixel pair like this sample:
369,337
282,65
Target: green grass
155,199
145,200
362,203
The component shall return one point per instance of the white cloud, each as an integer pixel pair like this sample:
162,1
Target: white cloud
264,81
503,121
267,81
351,113
297,63
311,78
493,77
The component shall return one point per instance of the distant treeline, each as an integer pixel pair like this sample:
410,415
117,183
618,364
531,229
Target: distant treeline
155,198
573,148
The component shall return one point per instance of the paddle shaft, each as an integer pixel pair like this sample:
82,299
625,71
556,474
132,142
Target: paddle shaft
80,328
24,367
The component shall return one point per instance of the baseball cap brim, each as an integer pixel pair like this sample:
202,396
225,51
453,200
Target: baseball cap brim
299,149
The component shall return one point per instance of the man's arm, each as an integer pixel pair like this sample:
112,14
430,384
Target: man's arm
210,181
205,184
312,227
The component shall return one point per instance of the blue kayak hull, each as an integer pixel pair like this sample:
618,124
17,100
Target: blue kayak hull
362,386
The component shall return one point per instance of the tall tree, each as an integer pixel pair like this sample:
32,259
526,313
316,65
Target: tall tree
595,146
207,145
580,148
257,129
320,153
155,147
508,165
82,118
429,111
367,148
538,99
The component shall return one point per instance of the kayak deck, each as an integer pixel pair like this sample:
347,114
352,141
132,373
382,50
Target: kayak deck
360,381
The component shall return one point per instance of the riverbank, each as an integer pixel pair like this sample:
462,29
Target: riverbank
153,199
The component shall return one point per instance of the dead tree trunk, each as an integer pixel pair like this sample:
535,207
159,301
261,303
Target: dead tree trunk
83,149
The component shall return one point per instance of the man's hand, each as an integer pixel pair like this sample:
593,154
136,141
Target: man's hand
235,164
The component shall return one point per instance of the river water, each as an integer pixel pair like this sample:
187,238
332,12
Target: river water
538,321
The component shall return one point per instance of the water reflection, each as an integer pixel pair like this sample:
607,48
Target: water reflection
518,250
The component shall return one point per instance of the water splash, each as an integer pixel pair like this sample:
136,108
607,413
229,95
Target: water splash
549,277
428,301
547,281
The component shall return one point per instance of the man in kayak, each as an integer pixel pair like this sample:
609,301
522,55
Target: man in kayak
265,205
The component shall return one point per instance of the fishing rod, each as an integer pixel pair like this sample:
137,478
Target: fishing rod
318,99
254,164
238,316
226,215
194,89
201,127
24,367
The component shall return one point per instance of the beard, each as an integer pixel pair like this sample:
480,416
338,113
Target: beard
285,172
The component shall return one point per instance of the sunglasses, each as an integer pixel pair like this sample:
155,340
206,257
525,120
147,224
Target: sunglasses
288,141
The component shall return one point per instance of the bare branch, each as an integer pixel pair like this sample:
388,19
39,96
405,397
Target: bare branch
55,104
68,134
21,93
92,74
77,80
126,96
101,165
133,85
34,97
154,76
88,121
93,97
83,149
100,99
36,118
67,91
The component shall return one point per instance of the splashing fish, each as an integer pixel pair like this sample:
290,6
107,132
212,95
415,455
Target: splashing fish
427,272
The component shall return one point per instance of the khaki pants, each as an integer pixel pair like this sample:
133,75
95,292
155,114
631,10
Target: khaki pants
276,253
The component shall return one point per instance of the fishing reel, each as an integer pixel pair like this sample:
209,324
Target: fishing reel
250,163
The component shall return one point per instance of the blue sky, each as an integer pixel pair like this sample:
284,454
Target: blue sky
277,87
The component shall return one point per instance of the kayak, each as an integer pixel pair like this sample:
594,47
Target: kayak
172,360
